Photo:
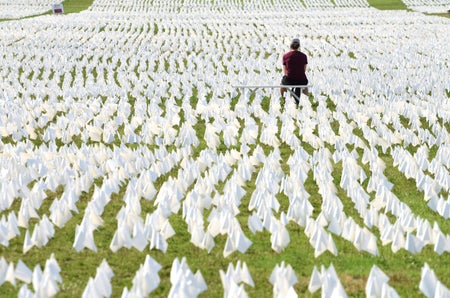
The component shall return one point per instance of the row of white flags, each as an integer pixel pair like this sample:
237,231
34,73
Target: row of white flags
228,6
408,231
79,167
12,9
185,283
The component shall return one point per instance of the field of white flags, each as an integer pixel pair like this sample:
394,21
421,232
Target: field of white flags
130,165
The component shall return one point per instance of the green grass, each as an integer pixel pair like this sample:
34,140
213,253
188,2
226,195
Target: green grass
446,14
352,266
398,5
388,4
73,6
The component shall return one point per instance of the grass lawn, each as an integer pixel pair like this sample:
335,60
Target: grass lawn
387,4
352,266
72,6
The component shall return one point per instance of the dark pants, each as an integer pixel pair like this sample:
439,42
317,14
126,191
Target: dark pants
297,91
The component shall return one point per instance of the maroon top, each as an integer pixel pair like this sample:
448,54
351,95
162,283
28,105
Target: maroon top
295,62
